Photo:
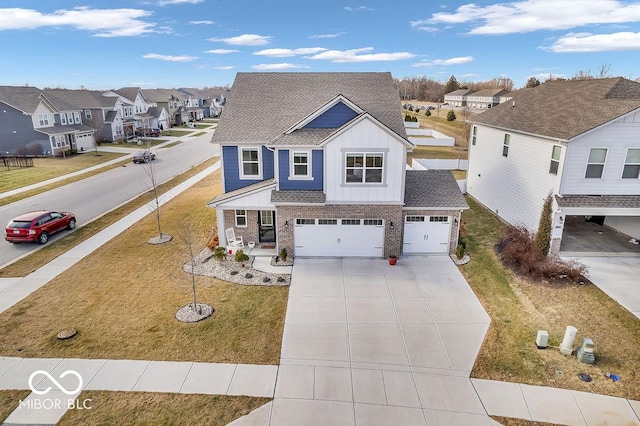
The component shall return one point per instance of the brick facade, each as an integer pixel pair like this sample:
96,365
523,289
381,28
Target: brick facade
249,232
455,223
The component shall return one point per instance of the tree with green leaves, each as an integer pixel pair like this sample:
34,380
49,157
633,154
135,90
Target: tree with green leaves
451,85
542,239
532,82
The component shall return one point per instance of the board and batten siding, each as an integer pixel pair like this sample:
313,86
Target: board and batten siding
515,186
368,137
314,183
231,167
617,137
332,118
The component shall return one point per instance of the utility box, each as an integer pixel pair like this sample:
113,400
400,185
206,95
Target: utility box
584,353
542,338
566,347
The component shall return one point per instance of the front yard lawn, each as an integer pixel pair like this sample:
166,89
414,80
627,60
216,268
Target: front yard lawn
520,307
143,408
123,297
51,167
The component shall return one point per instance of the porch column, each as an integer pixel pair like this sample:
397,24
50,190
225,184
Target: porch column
222,236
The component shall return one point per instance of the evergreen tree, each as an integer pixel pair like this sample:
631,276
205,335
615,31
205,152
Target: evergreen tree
542,239
451,85
451,116
532,82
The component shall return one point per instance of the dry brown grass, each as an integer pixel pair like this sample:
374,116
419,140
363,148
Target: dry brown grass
54,249
139,408
519,307
9,400
508,421
123,297
51,167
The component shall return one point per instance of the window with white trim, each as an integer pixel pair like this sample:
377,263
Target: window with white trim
595,163
442,219
555,160
250,162
241,218
372,222
43,119
305,221
76,117
631,168
414,219
70,117
300,164
364,167
63,119
351,221
473,138
87,114
505,145
327,221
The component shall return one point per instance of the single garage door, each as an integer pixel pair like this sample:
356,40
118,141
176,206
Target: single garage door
426,234
339,237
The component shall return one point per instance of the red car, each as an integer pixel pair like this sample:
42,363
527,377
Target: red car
38,226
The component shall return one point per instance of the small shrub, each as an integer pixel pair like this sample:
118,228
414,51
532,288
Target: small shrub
428,113
283,254
460,251
451,116
220,253
241,256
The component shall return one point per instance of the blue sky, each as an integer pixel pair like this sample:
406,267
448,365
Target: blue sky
197,43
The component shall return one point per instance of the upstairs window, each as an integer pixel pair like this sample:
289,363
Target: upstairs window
364,167
87,114
43,119
632,164
250,163
473,137
505,145
70,117
300,164
63,119
595,164
76,117
555,160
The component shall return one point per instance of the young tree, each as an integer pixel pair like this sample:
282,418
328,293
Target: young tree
186,234
451,116
532,82
542,239
156,203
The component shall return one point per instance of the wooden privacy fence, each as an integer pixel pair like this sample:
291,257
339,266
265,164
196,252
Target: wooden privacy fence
17,161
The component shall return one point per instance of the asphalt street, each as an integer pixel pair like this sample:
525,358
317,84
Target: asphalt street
92,197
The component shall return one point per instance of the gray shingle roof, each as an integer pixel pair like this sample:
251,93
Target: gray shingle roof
460,92
604,201
489,92
22,98
241,191
565,109
304,137
432,189
298,197
78,99
263,106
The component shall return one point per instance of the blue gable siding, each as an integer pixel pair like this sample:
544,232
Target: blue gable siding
231,171
317,170
332,118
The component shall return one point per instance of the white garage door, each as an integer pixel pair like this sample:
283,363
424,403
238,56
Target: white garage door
339,237
426,234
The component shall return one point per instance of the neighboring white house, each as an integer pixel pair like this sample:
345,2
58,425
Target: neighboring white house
579,140
458,97
486,98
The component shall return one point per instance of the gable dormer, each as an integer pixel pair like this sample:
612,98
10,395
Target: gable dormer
332,115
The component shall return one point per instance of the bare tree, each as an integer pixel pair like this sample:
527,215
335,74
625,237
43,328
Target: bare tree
187,237
156,202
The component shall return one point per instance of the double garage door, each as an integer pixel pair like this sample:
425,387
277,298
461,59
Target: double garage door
339,237
426,234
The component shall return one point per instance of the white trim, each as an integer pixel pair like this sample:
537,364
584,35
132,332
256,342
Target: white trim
366,116
624,164
604,164
241,174
322,110
292,175
236,216
364,152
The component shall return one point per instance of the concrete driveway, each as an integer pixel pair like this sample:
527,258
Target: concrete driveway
617,276
368,343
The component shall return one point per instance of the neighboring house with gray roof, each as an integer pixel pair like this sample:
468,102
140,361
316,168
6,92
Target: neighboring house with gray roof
486,98
578,140
458,97
321,169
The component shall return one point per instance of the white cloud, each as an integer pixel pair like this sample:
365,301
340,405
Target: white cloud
283,66
534,15
202,22
584,42
358,9
167,2
546,76
170,58
245,40
102,22
224,68
285,53
221,51
358,55
444,62
332,35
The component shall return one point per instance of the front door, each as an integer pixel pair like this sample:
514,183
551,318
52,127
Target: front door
266,226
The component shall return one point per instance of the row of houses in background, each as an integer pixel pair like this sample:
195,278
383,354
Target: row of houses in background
53,121
486,98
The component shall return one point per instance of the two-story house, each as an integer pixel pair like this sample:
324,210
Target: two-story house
578,140
321,169
458,97
486,98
